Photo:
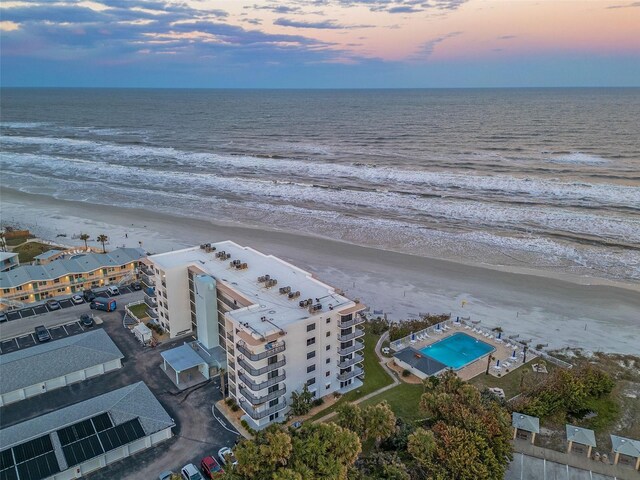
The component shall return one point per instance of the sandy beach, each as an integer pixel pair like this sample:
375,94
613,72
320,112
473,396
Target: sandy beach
582,312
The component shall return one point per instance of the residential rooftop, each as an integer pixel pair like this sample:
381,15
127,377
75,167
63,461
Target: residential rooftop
45,361
82,263
47,254
122,405
271,310
6,255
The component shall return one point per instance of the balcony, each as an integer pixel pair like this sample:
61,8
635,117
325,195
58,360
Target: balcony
353,373
230,336
350,336
146,270
232,366
357,320
352,361
256,372
353,348
150,300
270,350
262,385
258,414
147,281
232,378
254,400
152,312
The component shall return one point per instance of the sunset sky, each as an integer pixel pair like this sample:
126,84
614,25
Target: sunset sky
320,43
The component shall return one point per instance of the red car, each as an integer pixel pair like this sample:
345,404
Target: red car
210,467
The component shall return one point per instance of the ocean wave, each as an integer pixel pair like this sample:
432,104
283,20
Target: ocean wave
428,210
578,158
24,125
534,189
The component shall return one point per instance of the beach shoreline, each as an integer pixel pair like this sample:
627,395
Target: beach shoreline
562,310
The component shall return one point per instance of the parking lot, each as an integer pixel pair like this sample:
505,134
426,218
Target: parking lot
29,340
64,303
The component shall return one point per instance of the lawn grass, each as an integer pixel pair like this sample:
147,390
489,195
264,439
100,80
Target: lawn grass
375,376
28,251
140,311
404,400
12,242
510,382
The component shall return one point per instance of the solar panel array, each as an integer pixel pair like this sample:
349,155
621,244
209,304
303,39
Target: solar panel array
90,438
32,460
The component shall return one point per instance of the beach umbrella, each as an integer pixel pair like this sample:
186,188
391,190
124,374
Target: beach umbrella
413,336
513,355
498,363
457,319
438,327
499,334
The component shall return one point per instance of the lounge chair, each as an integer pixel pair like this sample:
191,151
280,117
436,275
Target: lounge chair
413,340
506,364
467,327
444,327
490,337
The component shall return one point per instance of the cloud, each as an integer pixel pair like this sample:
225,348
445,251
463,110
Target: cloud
404,9
507,37
9,26
426,49
322,25
630,5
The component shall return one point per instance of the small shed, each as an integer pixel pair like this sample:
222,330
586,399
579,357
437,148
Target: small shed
626,450
187,366
525,426
585,438
142,333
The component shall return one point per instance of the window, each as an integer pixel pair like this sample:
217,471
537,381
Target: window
311,341
7,290
311,381
19,288
311,368
328,361
328,347
311,327
327,374
328,334
327,386
56,280
311,354
328,320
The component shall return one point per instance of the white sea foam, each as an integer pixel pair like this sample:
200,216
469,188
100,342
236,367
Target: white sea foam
578,158
24,125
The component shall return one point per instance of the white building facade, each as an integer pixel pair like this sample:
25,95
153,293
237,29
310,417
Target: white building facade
280,327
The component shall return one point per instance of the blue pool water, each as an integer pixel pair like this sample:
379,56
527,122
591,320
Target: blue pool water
457,350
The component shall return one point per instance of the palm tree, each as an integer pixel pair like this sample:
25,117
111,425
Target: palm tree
222,372
102,239
3,243
84,237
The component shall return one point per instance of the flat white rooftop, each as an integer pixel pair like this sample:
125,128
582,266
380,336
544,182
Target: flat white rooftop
268,303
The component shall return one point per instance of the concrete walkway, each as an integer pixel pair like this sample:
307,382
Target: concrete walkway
383,363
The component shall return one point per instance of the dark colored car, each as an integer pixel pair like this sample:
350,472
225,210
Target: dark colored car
53,305
86,320
136,286
88,295
211,468
3,317
42,334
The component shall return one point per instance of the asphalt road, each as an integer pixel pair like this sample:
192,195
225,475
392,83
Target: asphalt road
25,326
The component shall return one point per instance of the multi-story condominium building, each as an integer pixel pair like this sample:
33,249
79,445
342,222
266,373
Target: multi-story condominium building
8,261
281,328
33,283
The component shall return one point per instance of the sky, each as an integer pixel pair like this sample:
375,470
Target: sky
319,43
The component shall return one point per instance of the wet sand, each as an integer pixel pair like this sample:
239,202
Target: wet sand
563,311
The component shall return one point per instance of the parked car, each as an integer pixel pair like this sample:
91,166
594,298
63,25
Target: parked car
210,467
136,286
190,472
53,305
86,320
113,290
42,334
77,299
166,475
88,295
3,317
226,456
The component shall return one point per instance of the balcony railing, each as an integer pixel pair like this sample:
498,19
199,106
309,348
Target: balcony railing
152,313
274,349
255,400
230,336
357,320
256,372
232,365
353,373
262,385
147,280
350,336
150,301
258,414
351,361
232,378
353,348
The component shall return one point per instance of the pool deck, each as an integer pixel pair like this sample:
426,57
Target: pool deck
503,352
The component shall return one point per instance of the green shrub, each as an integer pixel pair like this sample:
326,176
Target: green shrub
235,408
404,328
406,373
317,402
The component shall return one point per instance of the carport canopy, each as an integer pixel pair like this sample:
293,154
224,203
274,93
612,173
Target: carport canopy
182,358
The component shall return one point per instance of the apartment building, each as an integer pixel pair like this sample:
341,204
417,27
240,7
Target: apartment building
63,277
280,327
8,261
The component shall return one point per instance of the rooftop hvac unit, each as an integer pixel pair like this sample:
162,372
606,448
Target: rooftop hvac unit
305,303
271,283
243,266
235,263
221,254
295,294
315,308
284,290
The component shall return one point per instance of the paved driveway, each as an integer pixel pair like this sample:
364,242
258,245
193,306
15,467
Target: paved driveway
524,467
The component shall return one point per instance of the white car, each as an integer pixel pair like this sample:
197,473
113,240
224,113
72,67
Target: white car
113,291
77,299
226,456
190,472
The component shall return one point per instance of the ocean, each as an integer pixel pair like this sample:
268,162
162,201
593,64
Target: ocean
527,178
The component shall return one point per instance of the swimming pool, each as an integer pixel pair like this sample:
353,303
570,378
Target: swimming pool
457,350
